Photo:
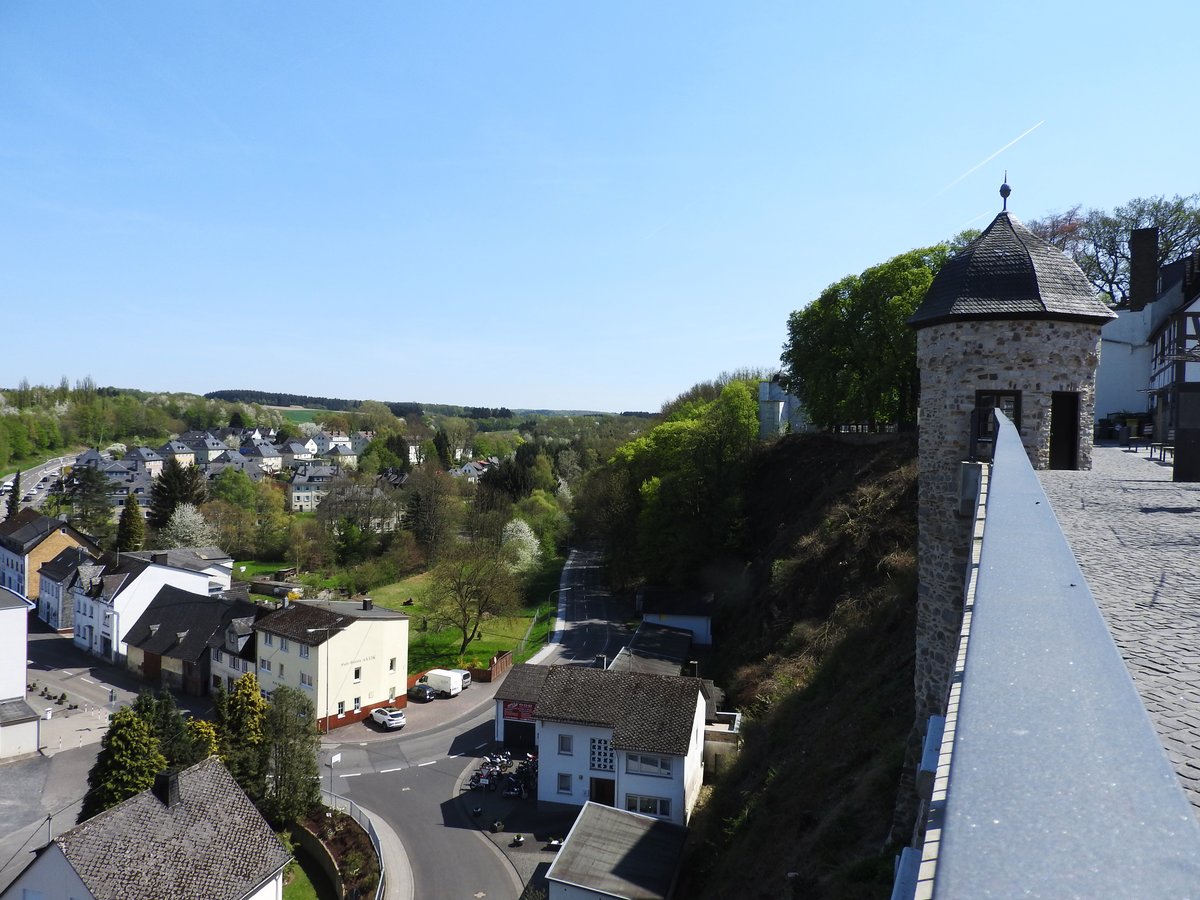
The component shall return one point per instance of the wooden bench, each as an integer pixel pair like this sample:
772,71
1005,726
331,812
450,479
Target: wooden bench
1142,438
1164,447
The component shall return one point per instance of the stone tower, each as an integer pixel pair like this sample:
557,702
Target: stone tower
1009,323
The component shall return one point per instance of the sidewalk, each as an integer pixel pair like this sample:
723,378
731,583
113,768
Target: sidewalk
1135,533
531,859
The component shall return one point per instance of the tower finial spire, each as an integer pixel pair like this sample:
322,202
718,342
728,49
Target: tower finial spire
1005,190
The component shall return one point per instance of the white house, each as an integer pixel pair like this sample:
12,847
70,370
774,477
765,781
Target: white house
688,610
18,720
173,840
113,598
625,739
212,562
348,657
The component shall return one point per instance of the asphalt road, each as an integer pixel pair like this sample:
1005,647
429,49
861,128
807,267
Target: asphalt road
411,779
31,480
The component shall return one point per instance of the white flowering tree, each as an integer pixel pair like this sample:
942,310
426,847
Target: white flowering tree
187,528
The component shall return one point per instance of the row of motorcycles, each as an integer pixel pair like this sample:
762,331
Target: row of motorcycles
497,774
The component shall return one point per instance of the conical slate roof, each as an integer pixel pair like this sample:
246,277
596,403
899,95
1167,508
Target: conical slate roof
1008,272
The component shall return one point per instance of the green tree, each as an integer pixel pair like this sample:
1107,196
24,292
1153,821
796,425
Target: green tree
667,503
204,737
128,761
167,724
91,512
469,585
175,484
131,527
441,445
233,487
292,783
433,508
240,716
1098,241
14,499
850,356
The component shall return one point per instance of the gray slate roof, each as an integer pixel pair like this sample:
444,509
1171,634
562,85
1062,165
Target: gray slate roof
66,564
194,559
650,713
1008,272
211,845
330,616
523,683
657,649
620,854
198,617
19,534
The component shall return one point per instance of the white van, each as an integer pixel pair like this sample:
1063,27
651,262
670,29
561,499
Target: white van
445,682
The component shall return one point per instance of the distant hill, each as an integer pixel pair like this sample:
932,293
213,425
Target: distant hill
338,404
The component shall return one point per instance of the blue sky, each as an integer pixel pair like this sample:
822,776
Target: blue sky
537,205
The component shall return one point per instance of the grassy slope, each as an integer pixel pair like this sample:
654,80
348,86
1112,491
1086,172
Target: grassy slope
819,650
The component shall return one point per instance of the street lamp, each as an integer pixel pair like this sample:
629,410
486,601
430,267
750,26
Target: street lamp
326,629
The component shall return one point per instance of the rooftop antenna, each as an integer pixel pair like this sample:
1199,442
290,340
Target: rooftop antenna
1005,190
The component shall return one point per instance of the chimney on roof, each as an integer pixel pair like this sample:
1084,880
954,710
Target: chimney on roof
368,603
159,558
1143,267
166,788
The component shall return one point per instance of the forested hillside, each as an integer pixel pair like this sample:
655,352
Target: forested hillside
810,545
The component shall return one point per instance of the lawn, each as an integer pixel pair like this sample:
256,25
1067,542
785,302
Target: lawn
245,569
299,887
298,415
393,596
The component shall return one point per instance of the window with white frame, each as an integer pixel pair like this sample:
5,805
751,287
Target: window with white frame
601,755
216,654
305,680
648,764
564,745
268,639
392,664
264,665
648,806
341,708
304,651
564,782
283,645
357,704
357,674
280,672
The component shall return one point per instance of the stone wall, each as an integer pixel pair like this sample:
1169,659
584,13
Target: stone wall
956,359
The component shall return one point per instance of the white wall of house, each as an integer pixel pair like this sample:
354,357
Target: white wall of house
699,626
272,890
97,622
1124,368
573,771
49,877
225,668
50,602
558,769
561,891
365,665
14,633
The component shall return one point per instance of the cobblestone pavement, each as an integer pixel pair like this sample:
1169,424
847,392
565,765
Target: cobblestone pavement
1136,535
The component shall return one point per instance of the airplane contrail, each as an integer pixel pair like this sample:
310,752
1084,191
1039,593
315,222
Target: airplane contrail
979,165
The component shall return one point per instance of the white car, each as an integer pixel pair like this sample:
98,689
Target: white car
389,717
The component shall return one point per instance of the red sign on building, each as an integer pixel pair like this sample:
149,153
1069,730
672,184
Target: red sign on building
516,710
